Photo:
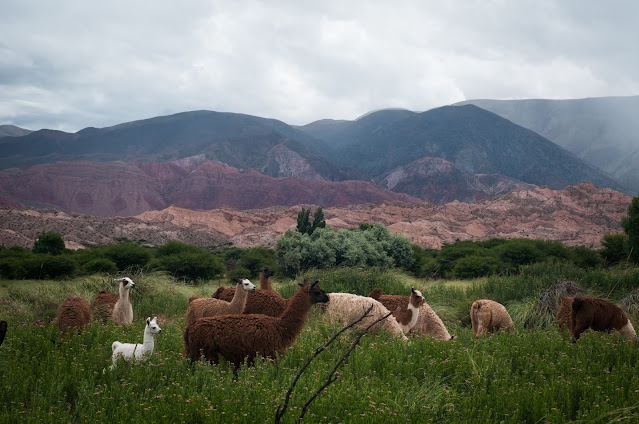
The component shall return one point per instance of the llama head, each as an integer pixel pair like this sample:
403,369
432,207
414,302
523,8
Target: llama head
267,271
126,282
317,295
153,326
416,298
245,284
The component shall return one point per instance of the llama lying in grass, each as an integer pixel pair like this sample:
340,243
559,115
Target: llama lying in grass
139,352
3,331
600,315
208,307
242,337
123,310
488,315
74,314
346,308
428,322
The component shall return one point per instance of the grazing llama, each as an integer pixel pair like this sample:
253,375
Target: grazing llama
137,351
488,315
239,338
600,315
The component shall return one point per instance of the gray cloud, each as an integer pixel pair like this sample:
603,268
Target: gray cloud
70,64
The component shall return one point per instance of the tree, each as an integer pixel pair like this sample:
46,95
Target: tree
614,248
50,243
304,224
630,225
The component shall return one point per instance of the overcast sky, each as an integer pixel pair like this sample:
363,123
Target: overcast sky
73,64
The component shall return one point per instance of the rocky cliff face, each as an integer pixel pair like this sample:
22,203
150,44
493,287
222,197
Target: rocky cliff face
578,215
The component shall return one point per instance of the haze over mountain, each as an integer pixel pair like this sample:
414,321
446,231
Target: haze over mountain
603,131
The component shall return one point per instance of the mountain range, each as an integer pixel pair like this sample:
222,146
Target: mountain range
205,160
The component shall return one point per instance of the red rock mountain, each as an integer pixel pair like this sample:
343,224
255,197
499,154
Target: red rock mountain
577,215
127,188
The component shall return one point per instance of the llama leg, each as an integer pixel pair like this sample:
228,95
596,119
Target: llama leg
579,328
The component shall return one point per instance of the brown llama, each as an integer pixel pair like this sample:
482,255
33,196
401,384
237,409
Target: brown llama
428,322
263,301
74,314
600,315
406,313
564,313
103,304
242,337
208,307
488,315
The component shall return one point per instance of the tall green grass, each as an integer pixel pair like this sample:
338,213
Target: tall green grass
532,375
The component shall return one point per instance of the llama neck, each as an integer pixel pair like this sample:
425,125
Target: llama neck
265,282
414,315
294,316
148,340
124,293
238,302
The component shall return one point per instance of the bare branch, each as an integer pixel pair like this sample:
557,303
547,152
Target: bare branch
332,377
282,409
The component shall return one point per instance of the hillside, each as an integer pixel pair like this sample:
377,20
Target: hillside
578,215
602,131
477,141
126,188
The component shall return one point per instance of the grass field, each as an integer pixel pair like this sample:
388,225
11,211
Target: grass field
533,375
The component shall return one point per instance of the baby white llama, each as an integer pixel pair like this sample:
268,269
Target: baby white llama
137,351
123,310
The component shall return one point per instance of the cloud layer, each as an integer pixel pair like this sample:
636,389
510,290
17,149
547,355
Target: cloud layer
72,64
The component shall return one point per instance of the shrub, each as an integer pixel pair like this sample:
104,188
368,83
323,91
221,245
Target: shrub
127,255
44,266
255,258
191,265
100,266
475,266
614,248
50,243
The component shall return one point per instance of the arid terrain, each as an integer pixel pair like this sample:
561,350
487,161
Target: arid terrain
578,215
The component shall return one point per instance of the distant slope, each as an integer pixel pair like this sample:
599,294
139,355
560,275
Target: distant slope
126,188
12,131
477,141
242,141
440,181
603,131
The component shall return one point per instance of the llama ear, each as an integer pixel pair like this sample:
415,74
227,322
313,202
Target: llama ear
316,282
155,319
148,320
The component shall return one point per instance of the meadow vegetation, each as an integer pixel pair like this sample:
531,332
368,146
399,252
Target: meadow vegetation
534,375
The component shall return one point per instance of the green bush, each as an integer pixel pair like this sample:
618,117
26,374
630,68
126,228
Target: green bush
50,243
100,266
191,265
474,266
614,248
44,266
127,255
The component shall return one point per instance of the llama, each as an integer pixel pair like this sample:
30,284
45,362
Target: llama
346,307
3,331
265,287
428,323
207,307
564,313
123,310
139,352
242,337
103,304
407,314
600,315
488,315
74,313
